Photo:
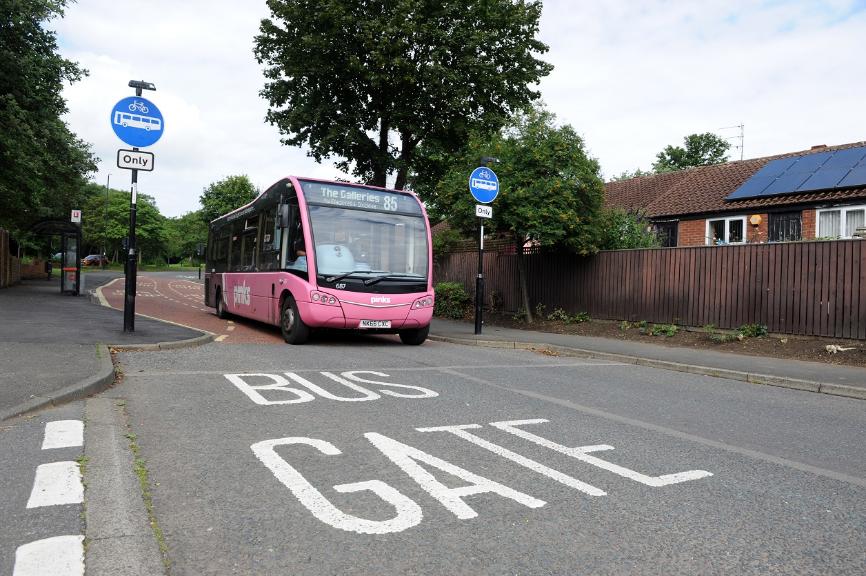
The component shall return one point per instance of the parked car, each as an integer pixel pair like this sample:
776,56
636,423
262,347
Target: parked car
94,260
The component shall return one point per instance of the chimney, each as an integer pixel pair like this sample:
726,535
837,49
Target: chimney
818,147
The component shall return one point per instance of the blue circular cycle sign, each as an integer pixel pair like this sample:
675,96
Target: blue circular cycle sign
484,184
137,121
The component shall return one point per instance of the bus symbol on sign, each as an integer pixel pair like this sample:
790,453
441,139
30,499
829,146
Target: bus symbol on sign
484,185
137,121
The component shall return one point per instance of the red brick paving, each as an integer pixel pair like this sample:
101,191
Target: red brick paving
182,302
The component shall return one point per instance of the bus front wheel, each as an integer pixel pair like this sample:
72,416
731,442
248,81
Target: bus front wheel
414,337
293,328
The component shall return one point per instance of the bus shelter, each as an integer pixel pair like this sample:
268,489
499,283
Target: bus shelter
70,251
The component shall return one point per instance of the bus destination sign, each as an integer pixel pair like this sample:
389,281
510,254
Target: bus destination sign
356,197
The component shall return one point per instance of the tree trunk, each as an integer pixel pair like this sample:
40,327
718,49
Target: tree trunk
401,179
380,170
406,153
521,272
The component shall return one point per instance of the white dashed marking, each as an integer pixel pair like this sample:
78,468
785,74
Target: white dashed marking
57,556
63,434
55,484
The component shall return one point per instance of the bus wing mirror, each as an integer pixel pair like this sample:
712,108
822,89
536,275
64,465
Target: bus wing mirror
285,216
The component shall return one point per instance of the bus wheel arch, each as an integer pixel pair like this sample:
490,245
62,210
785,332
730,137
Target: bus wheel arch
415,336
292,326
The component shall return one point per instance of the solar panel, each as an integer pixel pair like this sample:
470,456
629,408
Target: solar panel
797,173
755,185
811,172
833,171
857,175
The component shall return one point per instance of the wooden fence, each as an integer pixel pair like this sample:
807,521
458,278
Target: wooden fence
808,288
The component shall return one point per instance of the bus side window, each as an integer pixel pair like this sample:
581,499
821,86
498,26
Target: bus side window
235,261
248,251
295,234
269,251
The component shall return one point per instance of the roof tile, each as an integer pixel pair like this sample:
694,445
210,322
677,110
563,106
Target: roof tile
703,189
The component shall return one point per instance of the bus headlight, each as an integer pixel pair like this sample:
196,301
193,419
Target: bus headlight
322,298
425,302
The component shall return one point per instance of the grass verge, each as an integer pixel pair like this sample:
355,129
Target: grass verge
139,466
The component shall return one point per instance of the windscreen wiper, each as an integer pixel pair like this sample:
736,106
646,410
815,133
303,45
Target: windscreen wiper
347,274
377,279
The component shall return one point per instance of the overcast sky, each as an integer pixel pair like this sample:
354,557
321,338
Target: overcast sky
630,76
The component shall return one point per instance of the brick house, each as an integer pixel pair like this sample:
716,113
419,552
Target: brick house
816,193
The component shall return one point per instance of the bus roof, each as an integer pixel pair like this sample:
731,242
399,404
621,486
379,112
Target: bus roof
274,191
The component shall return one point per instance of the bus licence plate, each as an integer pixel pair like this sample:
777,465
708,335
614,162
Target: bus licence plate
375,324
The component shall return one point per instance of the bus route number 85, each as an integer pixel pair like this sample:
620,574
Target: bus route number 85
390,203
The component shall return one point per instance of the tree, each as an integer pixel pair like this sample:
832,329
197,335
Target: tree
108,224
626,175
43,165
184,234
550,191
224,196
371,81
623,230
700,150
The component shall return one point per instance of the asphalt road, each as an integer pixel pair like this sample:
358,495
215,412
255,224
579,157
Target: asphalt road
41,509
364,456
179,298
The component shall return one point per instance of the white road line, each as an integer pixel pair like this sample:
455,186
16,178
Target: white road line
63,434
56,483
407,369
57,556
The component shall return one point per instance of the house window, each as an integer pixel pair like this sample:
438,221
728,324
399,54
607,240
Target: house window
666,233
840,222
786,226
726,230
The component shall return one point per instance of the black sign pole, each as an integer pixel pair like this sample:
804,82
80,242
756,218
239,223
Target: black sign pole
479,280
131,264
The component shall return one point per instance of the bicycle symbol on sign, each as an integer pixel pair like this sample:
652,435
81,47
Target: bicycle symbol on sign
136,105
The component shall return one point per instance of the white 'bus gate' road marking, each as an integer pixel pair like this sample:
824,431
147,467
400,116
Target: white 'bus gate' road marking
410,460
55,484
460,432
581,453
57,556
63,434
763,456
348,379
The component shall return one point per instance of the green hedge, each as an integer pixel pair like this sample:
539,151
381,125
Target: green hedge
451,300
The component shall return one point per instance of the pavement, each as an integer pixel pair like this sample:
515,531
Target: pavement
832,379
55,348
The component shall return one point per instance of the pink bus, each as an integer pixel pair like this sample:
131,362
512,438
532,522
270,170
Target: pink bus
309,254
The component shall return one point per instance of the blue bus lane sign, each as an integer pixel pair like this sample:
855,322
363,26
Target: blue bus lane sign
137,121
484,185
